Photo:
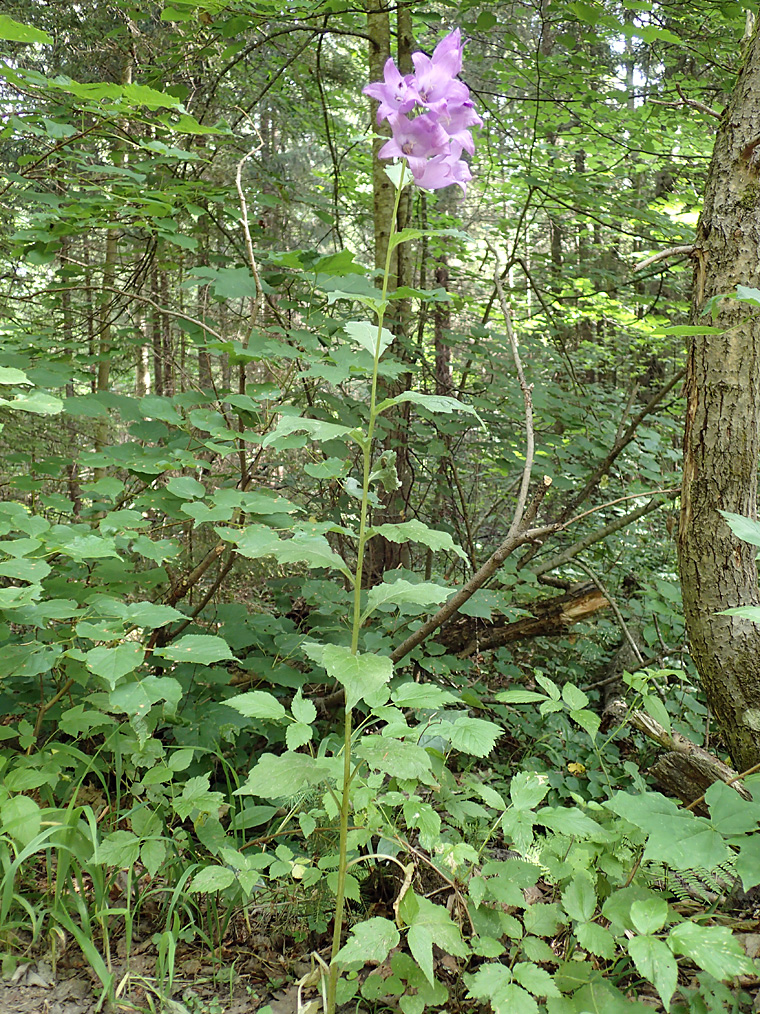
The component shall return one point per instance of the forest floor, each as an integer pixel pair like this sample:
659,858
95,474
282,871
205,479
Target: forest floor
246,982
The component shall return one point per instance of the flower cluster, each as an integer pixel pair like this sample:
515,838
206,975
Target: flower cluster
432,142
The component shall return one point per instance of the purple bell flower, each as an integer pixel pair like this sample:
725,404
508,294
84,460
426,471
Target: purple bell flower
433,141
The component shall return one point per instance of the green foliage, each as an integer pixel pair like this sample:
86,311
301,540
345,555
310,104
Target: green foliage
187,633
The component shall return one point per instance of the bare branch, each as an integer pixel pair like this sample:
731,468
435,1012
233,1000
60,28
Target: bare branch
672,251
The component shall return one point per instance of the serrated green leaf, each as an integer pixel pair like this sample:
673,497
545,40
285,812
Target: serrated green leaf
430,924
211,879
421,695
519,697
730,813
287,775
713,948
138,698
120,848
297,735
316,429
571,821
430,402
112,664
396,758
20,818
152,855
493,983
302,710
579,898
362,675
258,704
416,531
527,789
369,941
403,592
536,980
202,649
367,335
596,939
748,862
676,836
649,915
474,736
654,960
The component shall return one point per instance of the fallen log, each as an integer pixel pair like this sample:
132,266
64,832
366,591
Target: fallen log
686,770
551,617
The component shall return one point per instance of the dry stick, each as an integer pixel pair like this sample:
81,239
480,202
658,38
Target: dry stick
44,708
615,608
624,440
519,531
672,251
601,533
227,567
129,295
730,781
256,301
522,497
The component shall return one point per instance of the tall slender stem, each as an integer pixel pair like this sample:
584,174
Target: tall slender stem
340,893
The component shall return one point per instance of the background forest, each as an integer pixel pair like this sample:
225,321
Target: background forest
344,661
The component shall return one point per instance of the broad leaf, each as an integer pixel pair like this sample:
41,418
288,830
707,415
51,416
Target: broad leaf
285,776
416,531
202,649
713,948
370,941
112,664
258,704
655,961
422,695
362,675
475,736
430,924
401,592
396,758
367,335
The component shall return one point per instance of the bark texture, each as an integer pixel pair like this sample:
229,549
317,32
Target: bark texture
721,440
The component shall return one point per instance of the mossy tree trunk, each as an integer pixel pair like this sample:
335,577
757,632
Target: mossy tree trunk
722,437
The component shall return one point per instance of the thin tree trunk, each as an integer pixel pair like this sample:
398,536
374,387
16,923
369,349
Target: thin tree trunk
722,437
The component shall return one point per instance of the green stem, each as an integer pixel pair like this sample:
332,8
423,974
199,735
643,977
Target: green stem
340,893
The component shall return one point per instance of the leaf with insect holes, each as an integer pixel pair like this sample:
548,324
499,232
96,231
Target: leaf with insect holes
430,924
654,960
713,948
370,941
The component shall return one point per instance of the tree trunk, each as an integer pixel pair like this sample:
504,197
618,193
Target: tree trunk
722,435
